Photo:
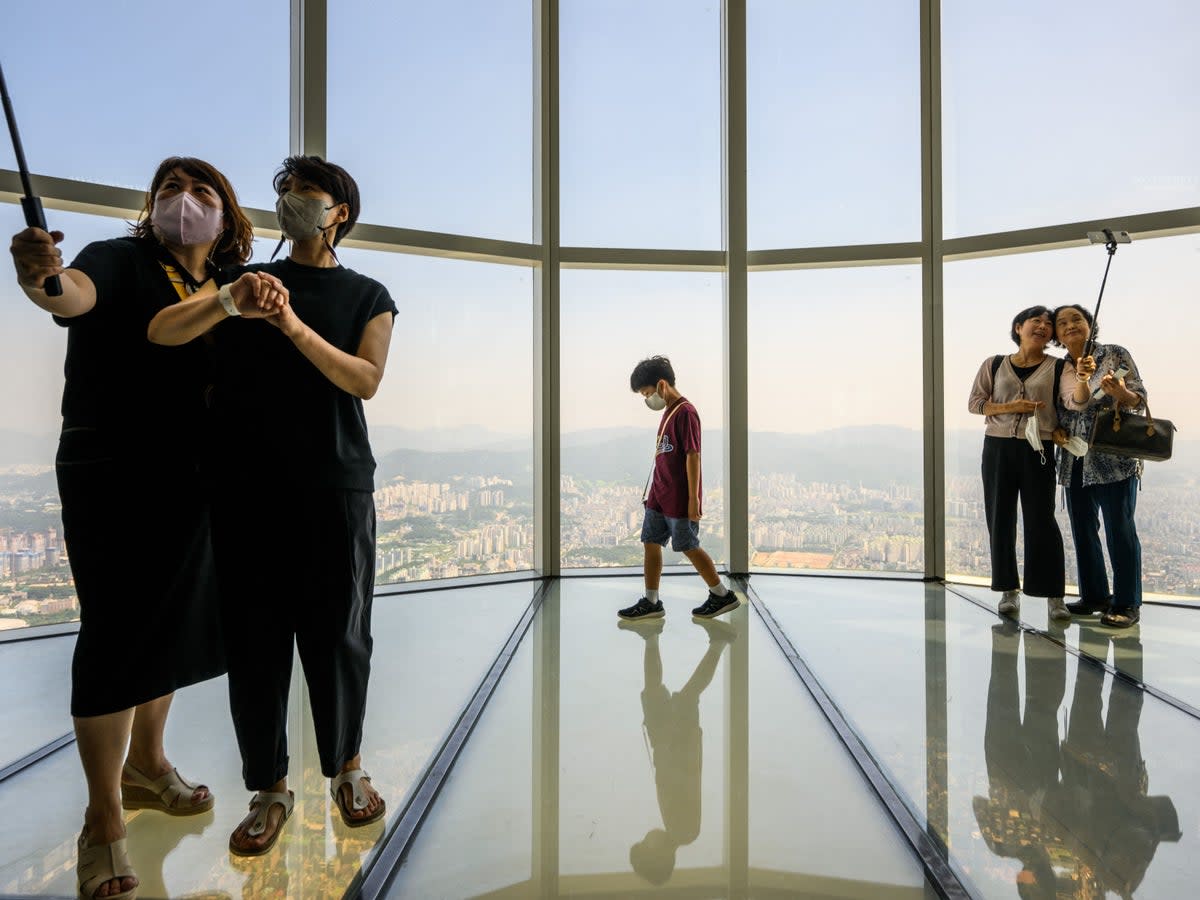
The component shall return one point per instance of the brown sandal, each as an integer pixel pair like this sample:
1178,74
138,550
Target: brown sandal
170,793
263,801
359,799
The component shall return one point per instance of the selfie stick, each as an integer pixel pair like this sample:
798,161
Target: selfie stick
1110,241
34,217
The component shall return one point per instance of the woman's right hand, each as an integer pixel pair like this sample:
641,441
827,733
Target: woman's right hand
1025,406
1085,368
36,257
259,295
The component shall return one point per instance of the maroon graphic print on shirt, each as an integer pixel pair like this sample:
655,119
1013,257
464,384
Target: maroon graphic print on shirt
669,485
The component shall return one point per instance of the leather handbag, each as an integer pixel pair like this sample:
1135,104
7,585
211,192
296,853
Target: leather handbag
1132,435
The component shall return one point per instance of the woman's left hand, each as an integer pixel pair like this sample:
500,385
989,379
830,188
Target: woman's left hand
286,321
1059,436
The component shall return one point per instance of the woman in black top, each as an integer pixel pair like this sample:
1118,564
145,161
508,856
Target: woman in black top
296,553
132,430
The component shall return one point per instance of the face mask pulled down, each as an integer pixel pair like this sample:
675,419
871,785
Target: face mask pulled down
184,221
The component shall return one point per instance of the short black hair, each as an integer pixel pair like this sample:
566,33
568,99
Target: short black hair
1087,316
1024,316
650,372
331,178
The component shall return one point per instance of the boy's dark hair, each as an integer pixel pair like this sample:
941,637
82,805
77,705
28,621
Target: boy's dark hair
331,178
650,372
1024,316
1088,317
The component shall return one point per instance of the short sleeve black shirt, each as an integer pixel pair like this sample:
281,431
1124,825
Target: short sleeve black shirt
144,400
273,407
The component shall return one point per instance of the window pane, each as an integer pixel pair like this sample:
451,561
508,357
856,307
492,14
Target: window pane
1147,308
833,121
35,577
610,321
431,110
452,423
835,419
1058,113
114,88
641,123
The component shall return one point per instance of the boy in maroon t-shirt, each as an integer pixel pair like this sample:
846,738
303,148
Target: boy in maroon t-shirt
673,498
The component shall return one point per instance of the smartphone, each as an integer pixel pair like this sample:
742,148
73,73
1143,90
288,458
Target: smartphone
1120,373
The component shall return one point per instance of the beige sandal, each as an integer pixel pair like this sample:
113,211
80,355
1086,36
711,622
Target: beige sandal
263,801
359,801
100,864
171,793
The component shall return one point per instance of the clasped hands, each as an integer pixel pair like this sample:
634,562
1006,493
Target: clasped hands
260,295
1110,384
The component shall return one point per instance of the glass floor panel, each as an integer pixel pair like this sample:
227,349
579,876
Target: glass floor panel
409,713
1049,778
1170,637
36,708
666,757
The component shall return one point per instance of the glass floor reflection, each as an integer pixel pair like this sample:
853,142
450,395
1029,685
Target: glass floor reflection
678,758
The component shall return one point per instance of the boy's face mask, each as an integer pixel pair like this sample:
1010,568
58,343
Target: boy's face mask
656,402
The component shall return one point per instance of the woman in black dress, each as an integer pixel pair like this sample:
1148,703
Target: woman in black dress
133,427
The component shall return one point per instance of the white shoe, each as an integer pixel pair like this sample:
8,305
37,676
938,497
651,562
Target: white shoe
1058,609
1010,604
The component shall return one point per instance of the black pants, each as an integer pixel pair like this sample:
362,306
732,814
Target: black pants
296,566
1013,470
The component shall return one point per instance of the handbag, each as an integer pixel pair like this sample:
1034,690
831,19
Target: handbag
1132,435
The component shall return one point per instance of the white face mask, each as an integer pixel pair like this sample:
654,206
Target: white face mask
656,402
1076,446
1033,435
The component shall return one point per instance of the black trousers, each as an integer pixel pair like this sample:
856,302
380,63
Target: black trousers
1013,470
295,566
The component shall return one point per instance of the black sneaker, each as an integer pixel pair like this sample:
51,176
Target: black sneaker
715,605
643,609
1084,607
1121,617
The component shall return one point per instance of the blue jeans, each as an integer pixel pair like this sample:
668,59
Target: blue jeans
1117,501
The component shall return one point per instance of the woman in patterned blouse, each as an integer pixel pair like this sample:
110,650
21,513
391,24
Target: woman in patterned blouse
1100,482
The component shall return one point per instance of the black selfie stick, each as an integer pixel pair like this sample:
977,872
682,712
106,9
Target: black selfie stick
34,217
1110,245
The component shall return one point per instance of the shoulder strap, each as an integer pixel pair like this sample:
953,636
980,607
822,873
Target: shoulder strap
996,360
1059,365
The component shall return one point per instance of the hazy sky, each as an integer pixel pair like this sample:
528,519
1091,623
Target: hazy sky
430,106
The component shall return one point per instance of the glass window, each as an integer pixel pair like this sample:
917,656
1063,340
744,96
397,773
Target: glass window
833,123
835,417
452,423
35,577
610,321
1147,308
113,89
431,109
1060,113
640,107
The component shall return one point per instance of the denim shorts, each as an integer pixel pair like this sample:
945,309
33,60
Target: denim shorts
684,534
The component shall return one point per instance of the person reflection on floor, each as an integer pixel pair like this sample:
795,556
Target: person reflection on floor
672,724
1022,754
1076,812
1113,827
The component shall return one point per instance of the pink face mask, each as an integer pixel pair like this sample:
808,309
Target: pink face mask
183,220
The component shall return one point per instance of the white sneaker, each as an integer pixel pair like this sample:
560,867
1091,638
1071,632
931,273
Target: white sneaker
1010,604
1058,610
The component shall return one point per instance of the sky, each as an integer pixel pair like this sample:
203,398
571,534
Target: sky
1050,116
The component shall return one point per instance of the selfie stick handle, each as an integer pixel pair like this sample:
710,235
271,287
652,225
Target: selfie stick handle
35,217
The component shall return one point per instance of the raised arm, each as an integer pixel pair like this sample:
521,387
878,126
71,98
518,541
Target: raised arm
253,295
36,258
